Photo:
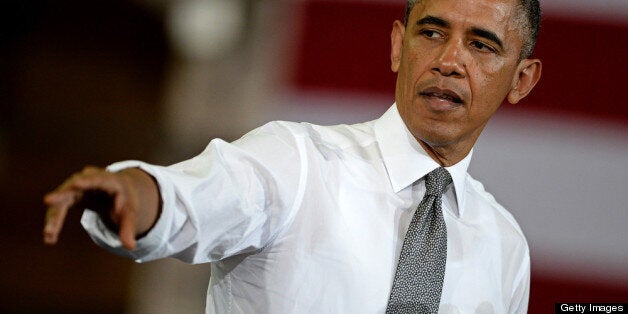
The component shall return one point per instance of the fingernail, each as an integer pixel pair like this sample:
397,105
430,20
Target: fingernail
50,239
49,227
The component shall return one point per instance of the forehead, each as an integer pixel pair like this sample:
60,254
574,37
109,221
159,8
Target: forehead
498,16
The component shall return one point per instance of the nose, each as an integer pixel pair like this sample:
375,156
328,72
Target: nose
449,62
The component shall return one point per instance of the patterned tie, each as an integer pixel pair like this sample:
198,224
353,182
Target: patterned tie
420,272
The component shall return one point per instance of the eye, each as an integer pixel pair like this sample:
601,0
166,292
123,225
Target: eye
482,47
429,33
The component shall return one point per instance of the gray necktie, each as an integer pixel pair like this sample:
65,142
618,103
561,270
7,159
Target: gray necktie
418,281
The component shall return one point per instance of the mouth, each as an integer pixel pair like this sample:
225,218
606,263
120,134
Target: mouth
442,95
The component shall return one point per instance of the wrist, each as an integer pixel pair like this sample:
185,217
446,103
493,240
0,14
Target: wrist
146,199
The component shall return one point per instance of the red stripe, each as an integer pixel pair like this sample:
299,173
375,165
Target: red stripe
546,290
345,48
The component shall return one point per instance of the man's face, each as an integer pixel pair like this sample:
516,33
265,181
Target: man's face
456,60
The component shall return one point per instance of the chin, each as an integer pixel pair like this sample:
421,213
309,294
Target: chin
438,143
437,134
437,140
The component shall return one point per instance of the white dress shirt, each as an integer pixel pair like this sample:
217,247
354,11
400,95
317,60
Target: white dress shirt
300,218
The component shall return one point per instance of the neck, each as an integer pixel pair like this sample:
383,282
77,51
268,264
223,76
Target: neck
443,155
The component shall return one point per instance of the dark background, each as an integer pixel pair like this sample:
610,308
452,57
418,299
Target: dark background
80,85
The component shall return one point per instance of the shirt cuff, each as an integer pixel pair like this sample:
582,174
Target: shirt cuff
147,246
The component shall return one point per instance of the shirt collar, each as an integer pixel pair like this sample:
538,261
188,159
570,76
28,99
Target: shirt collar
406,161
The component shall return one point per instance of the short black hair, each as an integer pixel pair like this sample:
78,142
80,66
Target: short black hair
532,11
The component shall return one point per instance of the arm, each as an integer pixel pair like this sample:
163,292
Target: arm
521,293
135,202
231,199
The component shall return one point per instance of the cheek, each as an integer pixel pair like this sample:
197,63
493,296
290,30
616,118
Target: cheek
491,84
409,75
416,60
496,68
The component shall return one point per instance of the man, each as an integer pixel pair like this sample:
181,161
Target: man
302,218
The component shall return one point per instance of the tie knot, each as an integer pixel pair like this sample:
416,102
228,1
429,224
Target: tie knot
436,181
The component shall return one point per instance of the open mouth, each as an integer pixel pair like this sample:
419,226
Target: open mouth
444,94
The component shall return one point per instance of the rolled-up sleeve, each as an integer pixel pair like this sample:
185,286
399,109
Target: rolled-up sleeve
231,199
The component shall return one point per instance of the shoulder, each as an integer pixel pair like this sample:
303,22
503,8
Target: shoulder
509,229
342,135
294,134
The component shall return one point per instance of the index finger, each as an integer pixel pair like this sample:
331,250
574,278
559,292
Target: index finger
58,206
64,197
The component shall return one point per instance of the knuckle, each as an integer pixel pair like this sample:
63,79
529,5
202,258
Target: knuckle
90,169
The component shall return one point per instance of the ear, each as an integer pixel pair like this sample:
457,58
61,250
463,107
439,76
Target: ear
396,45
528,74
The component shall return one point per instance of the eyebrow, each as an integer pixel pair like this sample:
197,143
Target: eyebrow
488,35
433,21
484,33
